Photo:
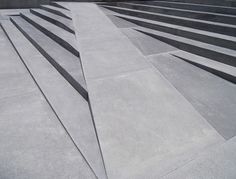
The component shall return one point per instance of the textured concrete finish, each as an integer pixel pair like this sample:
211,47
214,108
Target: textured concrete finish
146,44
33,142
71,108
217,163
145,127
212,96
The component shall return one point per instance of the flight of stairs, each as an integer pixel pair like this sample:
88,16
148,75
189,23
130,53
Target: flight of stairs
201,33
205,30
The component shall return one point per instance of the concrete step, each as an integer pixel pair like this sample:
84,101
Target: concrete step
221,3
218,162
71,108
187,32
56,10
60,21
146,128
227,19
212,96
62,37
225,71
213,52
192,6
65,62
221,28
34,144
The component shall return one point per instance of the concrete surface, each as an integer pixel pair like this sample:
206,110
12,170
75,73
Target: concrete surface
146,127
217,163
6,4
212,96
71,108
33,142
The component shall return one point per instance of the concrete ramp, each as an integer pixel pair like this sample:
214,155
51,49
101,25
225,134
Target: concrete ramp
145,127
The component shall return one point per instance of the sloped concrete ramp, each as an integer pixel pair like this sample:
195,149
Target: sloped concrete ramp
145,127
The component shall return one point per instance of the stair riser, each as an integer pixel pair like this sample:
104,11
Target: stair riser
55,12
203,38
221,74
60,41
61,70
223,58
59,24
221,10
195,15
183,22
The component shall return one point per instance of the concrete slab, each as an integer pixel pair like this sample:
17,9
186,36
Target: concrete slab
145,127
212,96
146,44
33,142
217,163
71,108
121,23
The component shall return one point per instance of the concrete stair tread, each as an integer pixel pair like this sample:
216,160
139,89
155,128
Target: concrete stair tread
71,108
220,50
65,61
183,10
213,97
63,37
185,18
36,136
57,10
221,18
183,28
190,6
60,21
218,162
189,22
227,69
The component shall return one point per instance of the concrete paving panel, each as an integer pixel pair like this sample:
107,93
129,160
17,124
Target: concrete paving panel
145,126
212,96
33,142
217,163
146,44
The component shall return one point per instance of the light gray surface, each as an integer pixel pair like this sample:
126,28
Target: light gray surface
145,127
63,57
70,107
58,19
216,163
191,33
146,44
214,52
63,37
33,142
227,69
212,96
57,10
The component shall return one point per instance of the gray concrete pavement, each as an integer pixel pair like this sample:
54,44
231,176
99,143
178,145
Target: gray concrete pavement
141,119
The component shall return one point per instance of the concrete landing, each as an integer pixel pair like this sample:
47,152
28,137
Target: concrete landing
146,128
33,142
